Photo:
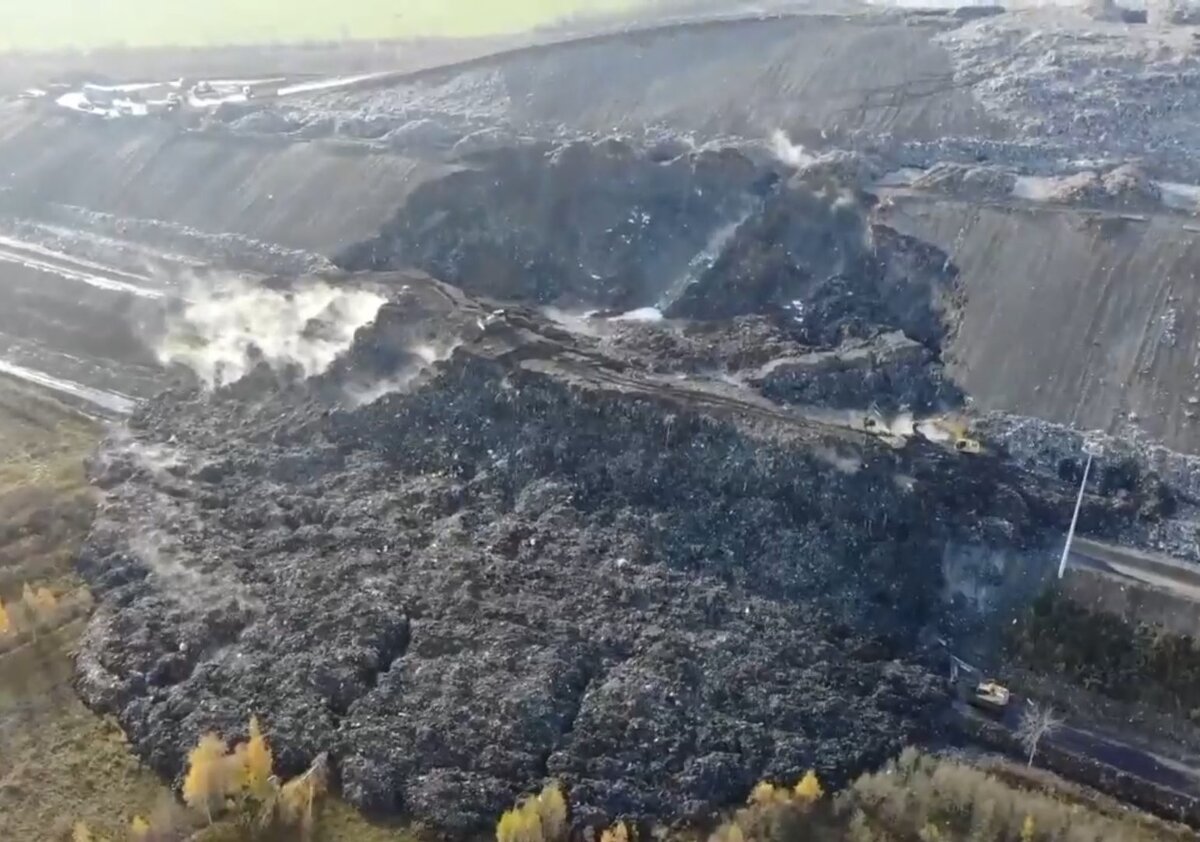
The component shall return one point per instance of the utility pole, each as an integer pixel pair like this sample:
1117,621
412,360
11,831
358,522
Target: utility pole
1062,564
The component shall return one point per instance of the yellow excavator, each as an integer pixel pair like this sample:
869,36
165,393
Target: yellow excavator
987,694
967,445
991,696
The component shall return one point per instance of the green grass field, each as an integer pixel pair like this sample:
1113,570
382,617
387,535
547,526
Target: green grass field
57,24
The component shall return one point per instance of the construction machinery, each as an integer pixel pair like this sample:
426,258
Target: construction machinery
967,445
986,694
990,696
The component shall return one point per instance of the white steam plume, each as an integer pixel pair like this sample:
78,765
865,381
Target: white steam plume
225,328
427,354
792,154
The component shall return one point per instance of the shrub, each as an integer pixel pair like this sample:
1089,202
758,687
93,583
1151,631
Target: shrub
1102,652
37,607
542,818
621,832
296,801
766,793
916,798
774,812
41,602
809,787
139,829
923,797
1028,829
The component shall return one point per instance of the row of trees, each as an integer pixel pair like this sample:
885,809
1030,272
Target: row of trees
917,798
1109,655
545,817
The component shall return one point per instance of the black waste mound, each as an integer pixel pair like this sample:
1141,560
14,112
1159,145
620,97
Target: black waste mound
531,558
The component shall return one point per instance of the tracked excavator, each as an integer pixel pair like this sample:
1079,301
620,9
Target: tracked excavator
985,694
990,696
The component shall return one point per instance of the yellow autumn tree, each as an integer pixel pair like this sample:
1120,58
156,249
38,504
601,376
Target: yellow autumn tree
258,762
80,833
542,818
235,772
809,787
206,780
139,829
1028,829
40,600
45,602
766,793
40,605
552,810
619,832
520,824
6,623
728,832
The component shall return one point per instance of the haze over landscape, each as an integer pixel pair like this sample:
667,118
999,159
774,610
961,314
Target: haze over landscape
574,422
58,24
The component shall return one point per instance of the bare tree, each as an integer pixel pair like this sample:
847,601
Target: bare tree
1036,722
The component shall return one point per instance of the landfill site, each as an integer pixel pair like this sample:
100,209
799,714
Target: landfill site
658,404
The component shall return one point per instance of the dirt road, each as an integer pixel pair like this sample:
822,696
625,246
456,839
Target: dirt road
1137,566
80,328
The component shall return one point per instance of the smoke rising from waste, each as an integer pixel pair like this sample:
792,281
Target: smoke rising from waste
426,355
225,329
792,154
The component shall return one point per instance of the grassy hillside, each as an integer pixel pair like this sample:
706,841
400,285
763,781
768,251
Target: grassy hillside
56,759
58,762
55,24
